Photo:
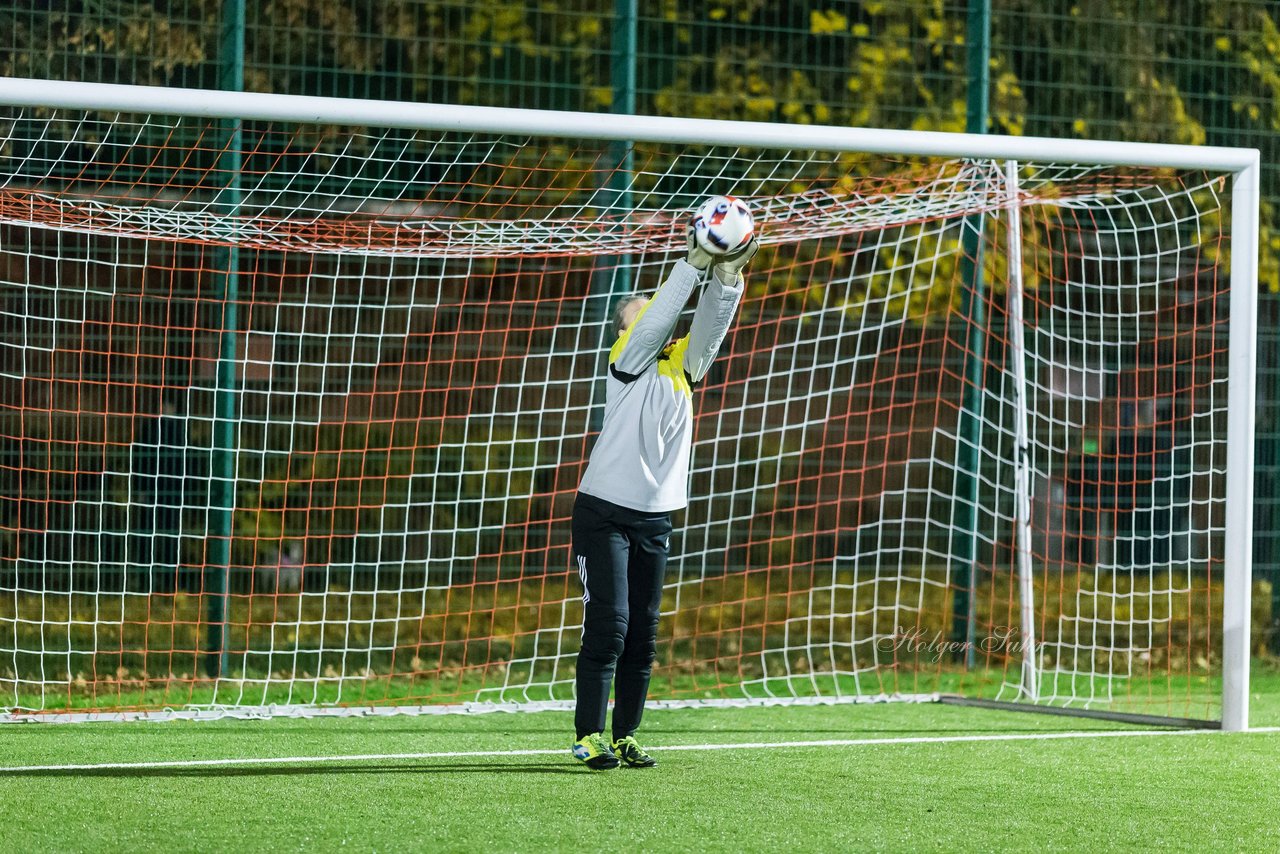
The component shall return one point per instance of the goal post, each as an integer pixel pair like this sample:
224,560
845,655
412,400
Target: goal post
1238,560
401,389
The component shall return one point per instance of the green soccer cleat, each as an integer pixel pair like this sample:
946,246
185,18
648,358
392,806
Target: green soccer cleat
630,752
594,752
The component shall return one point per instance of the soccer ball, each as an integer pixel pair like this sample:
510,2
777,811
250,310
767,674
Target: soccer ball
723,224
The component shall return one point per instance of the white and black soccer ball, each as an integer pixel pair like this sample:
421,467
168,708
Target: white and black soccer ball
723,224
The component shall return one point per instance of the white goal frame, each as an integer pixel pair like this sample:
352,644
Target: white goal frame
1242,164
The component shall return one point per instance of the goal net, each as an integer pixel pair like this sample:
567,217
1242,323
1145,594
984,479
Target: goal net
292,413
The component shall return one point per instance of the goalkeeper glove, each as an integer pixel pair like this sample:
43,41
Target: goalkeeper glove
697,257
728,267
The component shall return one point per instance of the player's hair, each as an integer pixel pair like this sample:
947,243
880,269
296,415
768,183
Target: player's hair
616,321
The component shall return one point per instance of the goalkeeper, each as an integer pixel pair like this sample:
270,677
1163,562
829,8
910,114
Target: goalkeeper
638,474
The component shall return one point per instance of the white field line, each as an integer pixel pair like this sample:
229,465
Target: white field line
484,754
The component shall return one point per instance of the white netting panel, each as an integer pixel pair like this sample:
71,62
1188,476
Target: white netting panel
416,346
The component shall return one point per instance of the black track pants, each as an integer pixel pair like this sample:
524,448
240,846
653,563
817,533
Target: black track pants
621,556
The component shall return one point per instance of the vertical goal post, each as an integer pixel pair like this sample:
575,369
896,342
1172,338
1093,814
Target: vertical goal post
820,653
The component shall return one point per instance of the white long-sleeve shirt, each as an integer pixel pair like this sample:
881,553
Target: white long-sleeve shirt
641,458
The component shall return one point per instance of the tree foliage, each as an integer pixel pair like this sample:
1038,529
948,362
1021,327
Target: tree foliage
1106,69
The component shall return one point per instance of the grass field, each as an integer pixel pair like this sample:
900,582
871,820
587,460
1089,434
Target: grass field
871,777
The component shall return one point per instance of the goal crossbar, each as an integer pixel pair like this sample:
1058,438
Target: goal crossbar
112,97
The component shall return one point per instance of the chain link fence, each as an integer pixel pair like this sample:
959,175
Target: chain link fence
1199,72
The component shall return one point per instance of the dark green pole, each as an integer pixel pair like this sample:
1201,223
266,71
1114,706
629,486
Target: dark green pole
623,76
227,287
973,309
614,277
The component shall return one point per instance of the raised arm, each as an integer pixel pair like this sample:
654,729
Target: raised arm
640,343
716,308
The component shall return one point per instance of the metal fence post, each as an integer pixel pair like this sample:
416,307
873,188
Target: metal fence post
973,310
222,521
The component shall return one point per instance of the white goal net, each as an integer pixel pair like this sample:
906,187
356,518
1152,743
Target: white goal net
292,414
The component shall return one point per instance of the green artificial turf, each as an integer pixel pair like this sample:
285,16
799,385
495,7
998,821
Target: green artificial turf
1195,792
